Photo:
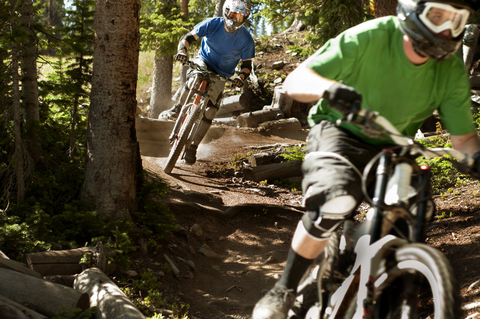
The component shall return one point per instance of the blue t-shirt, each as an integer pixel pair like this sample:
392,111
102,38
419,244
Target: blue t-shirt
222,50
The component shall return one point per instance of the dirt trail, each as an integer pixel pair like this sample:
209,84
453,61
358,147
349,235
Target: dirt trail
251,243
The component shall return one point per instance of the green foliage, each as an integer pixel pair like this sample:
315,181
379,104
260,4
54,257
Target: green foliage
293,186
76,313
334,17
294,154
18,238
444,175
304,51
164,27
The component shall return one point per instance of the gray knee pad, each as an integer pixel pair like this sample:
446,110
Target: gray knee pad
322,222
210,111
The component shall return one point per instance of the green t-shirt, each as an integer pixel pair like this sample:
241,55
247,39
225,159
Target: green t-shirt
371,59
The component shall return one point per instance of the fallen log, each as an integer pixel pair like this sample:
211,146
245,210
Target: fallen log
10,309
282,101
104,294
42,296
61,262
291,123
229,106
3,255
271,172
17,266
262,158
66,280
253,119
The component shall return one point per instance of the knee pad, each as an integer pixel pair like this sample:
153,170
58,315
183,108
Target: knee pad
323,222
210,111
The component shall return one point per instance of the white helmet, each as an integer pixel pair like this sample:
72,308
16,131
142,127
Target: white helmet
235,13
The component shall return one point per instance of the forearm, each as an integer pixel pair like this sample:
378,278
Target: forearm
305,85
185,42
245,70
468,144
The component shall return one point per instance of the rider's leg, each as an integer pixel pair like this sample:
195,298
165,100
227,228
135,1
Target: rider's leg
206,122
331,183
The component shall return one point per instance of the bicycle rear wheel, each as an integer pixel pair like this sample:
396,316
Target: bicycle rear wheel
179,143
421,274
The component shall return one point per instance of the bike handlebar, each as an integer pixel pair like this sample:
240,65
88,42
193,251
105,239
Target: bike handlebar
199,68
376,124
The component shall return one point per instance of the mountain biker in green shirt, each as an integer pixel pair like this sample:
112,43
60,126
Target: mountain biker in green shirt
403,67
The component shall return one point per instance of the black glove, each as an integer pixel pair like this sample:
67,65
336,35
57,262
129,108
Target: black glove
238,82
343,98
181,57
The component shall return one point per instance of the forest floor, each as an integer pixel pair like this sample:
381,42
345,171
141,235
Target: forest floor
235,234
249,226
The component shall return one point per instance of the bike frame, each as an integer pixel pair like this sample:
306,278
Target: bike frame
368,276
188,121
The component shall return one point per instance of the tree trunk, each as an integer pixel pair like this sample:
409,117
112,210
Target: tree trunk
385,8
184,68
19,155
29,81
219,8
113,160
162,84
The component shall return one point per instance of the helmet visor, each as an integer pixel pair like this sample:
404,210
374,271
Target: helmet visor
439,17
236,17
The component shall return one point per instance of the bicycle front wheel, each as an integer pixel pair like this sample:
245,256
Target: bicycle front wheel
193,110
420,285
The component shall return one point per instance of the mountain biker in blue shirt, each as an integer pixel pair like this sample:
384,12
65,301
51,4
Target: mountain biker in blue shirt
225,42
403,67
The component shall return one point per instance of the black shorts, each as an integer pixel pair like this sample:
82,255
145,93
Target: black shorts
326,175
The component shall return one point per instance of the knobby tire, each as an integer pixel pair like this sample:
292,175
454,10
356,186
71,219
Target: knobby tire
419,263
181,140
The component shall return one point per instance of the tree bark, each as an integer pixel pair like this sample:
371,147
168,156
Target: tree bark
385,8
113,160
110,301
184,68
29,81
219,8
42,296
19,155
162,84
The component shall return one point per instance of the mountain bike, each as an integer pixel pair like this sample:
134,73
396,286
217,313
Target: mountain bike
192,111
382,268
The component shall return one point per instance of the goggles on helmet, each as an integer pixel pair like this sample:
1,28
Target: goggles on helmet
236,17
439,17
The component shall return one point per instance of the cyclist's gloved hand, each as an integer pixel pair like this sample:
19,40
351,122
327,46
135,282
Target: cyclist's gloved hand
238,82
343,98
181,57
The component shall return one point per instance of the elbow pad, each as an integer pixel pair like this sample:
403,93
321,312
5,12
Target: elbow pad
189,37
246,65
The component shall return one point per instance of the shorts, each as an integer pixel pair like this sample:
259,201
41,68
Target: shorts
327,168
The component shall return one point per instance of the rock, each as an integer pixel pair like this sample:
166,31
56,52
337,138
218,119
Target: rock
131,273
197,230
207,251
190,264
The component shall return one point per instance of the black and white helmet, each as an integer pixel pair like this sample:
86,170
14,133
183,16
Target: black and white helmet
423,21
235,14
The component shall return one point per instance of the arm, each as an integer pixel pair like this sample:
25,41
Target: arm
246,68
468,143
305,85
185,42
